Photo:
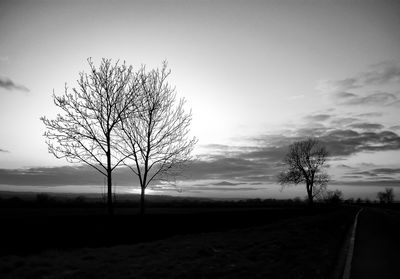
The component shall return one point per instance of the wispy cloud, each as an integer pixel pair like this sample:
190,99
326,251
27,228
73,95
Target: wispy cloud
348,142
377,74
339,121
367,126
380,73
60,176
370,182
205,188
329,86
376,98
226,183
375,174
318,117
4,151
11,85
387,171
370,114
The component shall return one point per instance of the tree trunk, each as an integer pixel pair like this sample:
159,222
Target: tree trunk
110,207
310,199
310,195
142,201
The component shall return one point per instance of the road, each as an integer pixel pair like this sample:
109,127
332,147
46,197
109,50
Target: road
377,245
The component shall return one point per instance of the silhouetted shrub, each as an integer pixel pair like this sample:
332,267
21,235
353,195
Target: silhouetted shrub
80,200
43,199
387,196
334,197
349,201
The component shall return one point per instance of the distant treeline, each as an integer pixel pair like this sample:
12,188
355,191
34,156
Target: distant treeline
43,200
132,201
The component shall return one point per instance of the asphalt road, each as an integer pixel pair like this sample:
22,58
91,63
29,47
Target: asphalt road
377,245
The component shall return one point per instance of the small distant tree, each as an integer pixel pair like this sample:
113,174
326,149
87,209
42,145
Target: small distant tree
334,197
44,199
305,163
84,131
387,196
349,201
155,138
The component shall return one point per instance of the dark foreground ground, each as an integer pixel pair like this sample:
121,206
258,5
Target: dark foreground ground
377,244
199,243
30,230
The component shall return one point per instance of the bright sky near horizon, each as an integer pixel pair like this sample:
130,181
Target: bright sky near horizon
256,74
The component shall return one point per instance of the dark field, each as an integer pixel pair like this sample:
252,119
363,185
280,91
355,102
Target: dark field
174,242
30,230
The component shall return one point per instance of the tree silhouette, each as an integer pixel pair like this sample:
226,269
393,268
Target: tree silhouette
155,137
333,197
84,131
387,196
305,163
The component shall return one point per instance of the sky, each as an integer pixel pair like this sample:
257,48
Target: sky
257,75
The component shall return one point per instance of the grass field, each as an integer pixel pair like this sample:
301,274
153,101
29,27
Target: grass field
224,244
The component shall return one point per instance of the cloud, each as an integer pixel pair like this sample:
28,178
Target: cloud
10,85
4,151
344,166
207,188
348,142
376,98
384,72
343,121
60,176
378,74
371,182
386,171
365,173
367,126
346,95
328,86
370,114
396,127
372,175
217,146
368,88
318,117
226,183
239,168
395,103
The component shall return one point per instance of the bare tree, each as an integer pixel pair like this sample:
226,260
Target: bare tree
387,196
156,136
305,163
84,131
